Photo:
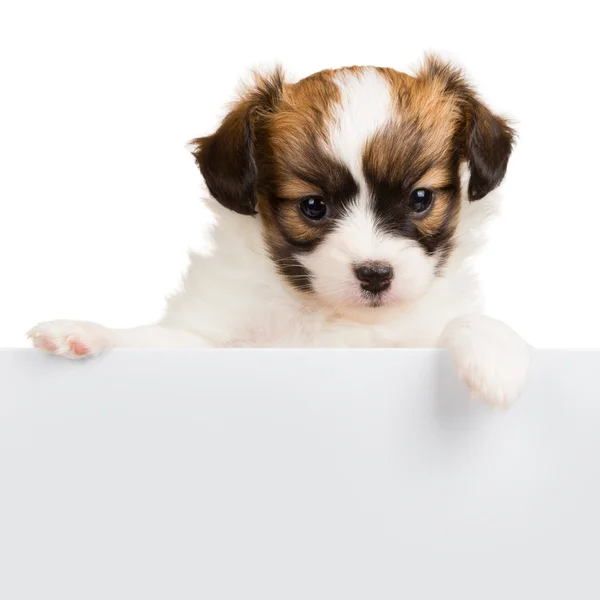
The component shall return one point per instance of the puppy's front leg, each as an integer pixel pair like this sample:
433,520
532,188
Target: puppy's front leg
82,339
491,358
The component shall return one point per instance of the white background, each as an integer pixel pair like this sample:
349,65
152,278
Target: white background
99,198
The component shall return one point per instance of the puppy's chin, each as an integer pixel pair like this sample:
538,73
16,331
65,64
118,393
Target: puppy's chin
365,307
371,314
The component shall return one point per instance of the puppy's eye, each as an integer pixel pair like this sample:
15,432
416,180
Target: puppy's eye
420,200
314,208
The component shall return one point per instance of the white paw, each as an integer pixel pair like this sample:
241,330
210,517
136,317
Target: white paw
491,358
72,339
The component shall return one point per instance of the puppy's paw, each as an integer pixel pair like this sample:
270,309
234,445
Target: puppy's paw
491,358
72,339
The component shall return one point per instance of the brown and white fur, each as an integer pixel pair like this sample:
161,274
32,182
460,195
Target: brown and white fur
347,208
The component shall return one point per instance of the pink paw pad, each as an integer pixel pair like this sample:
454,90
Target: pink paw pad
78,348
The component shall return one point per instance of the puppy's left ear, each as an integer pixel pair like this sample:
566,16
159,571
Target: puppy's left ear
226,158
489,146
488,138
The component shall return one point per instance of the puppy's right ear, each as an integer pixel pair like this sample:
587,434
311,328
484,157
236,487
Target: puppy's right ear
226,158
489,137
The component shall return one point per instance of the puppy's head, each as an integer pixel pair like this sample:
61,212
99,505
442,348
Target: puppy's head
355,175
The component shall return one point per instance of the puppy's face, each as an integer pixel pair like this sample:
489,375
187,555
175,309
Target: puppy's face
355,175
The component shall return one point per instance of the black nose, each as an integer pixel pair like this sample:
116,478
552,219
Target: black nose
374,277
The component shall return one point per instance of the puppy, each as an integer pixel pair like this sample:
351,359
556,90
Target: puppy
347,207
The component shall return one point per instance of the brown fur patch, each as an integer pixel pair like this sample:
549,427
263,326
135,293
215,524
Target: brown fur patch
294,162
422,136
422,148
299,124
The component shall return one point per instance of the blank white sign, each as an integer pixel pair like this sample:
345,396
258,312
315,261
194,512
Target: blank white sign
294,474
